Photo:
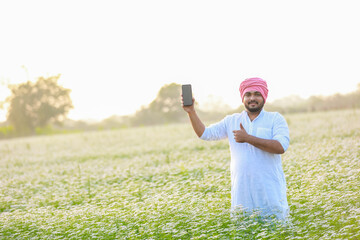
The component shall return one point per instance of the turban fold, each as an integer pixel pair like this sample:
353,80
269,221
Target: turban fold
254,84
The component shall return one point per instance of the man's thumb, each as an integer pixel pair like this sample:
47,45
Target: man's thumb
241,127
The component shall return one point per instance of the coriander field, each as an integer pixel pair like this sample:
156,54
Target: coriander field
165,183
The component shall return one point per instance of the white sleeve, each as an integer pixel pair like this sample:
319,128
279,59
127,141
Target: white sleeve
215,131
281,131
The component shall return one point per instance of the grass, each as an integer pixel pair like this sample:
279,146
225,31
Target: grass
164,183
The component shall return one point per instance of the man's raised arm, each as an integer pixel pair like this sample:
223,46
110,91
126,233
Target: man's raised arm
196,123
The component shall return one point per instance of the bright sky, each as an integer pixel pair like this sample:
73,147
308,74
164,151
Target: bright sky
116,55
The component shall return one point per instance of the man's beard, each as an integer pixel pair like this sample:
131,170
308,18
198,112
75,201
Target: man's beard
255,109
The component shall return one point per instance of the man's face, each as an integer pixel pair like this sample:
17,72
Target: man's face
253,101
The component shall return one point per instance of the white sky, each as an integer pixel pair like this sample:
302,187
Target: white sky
116,55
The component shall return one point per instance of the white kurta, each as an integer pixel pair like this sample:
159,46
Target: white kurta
257,177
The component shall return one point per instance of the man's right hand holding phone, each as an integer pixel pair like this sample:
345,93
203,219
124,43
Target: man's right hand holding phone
188,109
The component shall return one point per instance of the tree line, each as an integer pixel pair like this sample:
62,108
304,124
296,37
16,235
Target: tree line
41,108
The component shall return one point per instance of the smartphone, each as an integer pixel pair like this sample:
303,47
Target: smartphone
187,95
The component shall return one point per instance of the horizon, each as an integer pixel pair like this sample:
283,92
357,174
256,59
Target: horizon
206,106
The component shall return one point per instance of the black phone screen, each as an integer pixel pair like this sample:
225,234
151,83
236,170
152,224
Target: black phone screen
187,95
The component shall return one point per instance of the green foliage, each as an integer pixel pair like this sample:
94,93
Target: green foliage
163,183
37,104
49,130
7,132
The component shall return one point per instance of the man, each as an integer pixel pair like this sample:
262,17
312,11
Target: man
256,138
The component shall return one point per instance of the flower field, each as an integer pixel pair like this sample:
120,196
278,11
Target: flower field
164,183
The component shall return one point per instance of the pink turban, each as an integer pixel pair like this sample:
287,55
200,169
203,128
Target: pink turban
254,84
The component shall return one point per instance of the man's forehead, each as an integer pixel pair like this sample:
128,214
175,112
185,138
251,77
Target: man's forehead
251,92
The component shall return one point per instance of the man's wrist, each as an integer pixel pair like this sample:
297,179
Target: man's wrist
249,139
191,112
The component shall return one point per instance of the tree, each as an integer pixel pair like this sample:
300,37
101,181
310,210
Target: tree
37,104
167,102
165,108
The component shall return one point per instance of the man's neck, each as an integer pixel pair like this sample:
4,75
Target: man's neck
253,115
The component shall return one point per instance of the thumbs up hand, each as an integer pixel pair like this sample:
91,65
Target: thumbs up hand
241,135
